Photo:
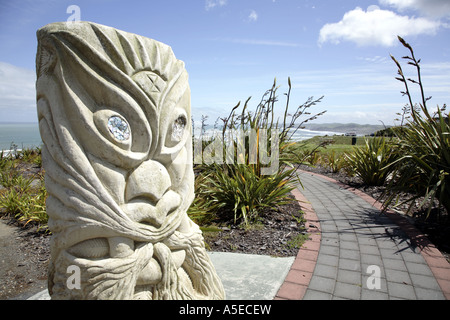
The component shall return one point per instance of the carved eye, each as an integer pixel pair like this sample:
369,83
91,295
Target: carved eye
178,127
176,132
119,128
114,127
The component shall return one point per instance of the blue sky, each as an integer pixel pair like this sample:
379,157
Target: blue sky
234,49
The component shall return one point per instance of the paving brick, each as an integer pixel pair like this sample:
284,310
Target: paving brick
352,265
291,291
350,277
307,255
366,249
369,259
428,294
327,259
397,276
299,277
350,254
312,294
303,265
329,250
348,291
419,268
396,264
350,245
322,284
400,290
373,295
426,282
311,245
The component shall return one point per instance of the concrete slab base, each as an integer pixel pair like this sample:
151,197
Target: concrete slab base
244,276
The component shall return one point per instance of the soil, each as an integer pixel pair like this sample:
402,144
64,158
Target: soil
25,252
24,260
279,233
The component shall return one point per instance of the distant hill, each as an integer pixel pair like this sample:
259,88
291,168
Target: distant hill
359,129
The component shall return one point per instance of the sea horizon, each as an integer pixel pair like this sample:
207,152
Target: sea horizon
25,135
19,135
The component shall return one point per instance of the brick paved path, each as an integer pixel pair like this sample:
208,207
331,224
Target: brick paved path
352,243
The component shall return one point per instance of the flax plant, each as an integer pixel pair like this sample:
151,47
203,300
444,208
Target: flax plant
240,187
23,197
371,162
423,169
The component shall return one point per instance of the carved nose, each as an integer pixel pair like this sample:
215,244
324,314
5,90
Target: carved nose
150,180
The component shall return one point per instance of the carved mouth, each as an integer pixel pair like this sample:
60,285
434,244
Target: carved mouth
142,210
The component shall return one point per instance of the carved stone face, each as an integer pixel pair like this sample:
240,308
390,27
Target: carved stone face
114,115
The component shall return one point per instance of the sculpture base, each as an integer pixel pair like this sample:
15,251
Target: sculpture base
244,276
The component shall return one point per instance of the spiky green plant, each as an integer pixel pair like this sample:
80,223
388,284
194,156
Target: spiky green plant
23,196
242,193
371,161
423,169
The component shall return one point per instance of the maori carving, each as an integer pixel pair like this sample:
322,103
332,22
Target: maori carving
114,116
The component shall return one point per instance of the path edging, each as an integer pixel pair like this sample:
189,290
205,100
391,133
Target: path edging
298,278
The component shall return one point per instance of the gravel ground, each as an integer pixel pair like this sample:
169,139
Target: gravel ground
24,260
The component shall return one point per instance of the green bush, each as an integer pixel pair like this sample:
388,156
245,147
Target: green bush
23,197
371,162
243,193
335,161
424,144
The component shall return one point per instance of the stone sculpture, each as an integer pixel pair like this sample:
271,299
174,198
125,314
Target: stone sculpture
114,116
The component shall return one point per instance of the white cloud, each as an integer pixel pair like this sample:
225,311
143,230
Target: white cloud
375,59
17,93
253,16
210,4
375,27
433,8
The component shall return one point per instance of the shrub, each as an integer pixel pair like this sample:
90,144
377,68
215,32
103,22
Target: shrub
335,161
23,197
243,193
371,162
424,144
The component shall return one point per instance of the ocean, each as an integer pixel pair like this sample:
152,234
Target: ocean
26,135
300,134
22,135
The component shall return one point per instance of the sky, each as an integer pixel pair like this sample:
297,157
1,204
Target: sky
234,49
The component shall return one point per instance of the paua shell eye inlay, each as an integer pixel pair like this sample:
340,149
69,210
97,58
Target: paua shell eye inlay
119,128
178,127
